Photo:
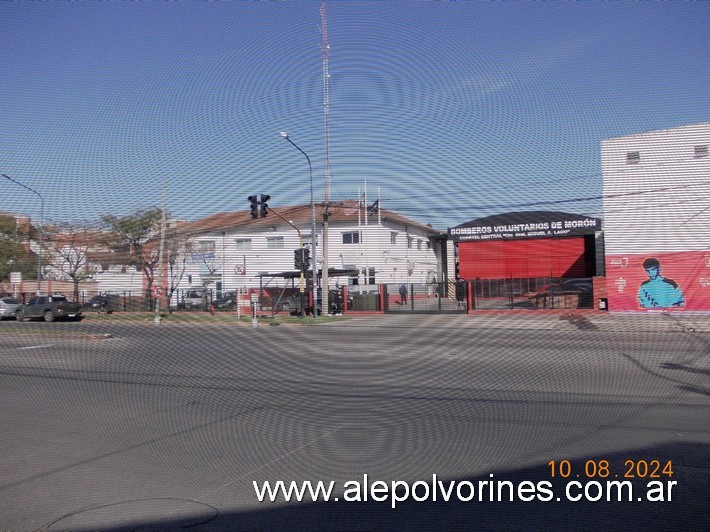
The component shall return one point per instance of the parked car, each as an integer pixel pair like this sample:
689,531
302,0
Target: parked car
569,286
292,304
574,286
581,287
49,308
8,307
103,303
227,302
194,299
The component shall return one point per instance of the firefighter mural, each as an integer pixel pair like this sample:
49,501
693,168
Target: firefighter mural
662,281
658,291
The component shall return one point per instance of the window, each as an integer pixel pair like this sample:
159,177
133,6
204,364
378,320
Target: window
243,244
206,246
393,238
633,157
369,275
274,242
410,242
701,151
351,238
419,245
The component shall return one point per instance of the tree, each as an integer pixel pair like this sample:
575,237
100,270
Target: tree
177,246
137,235
68,245
15,253
211,268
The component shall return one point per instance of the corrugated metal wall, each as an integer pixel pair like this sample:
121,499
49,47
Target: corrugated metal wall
537,257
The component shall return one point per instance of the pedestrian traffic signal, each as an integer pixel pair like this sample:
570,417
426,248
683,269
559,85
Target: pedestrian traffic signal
306,259
264,205
254,207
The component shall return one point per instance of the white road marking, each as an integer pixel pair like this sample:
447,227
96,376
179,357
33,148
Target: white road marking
36,346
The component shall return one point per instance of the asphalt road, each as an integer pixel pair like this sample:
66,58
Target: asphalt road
167,427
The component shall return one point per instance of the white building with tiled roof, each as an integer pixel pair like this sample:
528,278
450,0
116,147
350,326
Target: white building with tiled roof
229,251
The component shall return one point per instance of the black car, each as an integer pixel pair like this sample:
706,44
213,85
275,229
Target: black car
576,286
568,286
103,303
228,301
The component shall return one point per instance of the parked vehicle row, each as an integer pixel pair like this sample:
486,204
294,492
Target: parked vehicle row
289,302
293,305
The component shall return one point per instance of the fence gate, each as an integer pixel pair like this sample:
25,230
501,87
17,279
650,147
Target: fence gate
425,298
532,293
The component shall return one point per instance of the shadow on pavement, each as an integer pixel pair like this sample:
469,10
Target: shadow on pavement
686,509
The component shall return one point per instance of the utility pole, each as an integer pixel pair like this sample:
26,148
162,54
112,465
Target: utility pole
161,268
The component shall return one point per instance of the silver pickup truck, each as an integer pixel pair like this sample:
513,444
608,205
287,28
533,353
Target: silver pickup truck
49,308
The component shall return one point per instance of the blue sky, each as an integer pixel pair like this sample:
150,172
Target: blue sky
454,109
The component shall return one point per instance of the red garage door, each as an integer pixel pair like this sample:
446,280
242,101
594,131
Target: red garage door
531,258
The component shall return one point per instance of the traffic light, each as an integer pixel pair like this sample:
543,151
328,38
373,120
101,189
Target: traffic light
264,204
302,259
306,259
254,207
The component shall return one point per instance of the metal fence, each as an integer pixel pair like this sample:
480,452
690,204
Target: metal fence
424,298
533,293
486,294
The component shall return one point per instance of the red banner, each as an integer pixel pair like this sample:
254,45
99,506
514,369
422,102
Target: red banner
661,281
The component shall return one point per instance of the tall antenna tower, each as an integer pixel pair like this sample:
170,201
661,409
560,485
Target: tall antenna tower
326,98
326,125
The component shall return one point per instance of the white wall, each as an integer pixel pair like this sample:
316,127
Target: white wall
112,280
661,203
374,251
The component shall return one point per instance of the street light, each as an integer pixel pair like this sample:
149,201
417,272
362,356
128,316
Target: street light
41,222
313,225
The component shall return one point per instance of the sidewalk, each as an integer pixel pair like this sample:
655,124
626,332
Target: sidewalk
661,321
685,322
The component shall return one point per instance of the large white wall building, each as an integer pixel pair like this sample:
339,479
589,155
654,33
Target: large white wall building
231,251
657,206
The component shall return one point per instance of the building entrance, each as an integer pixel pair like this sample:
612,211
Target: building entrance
425,298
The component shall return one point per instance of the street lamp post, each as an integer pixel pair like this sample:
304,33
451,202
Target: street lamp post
300,242
41,222
313,225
